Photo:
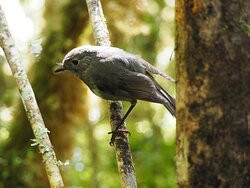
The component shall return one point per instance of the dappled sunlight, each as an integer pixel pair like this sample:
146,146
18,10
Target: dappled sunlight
168,126
144,128
6,114
165,56
20,25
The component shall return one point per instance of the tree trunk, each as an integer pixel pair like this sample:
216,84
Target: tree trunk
213,93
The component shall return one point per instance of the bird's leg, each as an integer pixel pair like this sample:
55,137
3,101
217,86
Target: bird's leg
126,115
117,131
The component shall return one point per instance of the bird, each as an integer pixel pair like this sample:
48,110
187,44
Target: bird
114,74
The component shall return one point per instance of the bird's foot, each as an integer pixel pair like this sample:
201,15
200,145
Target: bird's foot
115,133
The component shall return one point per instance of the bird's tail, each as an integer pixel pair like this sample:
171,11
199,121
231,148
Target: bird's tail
170,101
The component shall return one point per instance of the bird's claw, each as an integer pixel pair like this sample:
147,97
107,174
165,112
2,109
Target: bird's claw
115,133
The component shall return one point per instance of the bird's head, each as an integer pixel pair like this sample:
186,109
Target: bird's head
77,60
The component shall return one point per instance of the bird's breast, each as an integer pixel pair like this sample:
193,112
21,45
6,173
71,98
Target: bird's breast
103,89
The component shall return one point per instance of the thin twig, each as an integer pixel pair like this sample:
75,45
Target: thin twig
123,153
30,105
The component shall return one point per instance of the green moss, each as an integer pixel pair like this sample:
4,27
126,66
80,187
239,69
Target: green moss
245,27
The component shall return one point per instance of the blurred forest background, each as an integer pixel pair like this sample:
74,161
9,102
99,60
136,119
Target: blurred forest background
44,31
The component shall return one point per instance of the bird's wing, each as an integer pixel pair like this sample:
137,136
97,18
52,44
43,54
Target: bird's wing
150,68
112,79
136,64
131,79
144,87
137,86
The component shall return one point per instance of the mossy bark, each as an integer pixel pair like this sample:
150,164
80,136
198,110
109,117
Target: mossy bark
213,93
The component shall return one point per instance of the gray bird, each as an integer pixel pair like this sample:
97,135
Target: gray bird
113,74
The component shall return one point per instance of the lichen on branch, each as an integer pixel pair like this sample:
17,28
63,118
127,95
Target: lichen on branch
29,101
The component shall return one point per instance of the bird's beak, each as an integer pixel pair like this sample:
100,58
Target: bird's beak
60,68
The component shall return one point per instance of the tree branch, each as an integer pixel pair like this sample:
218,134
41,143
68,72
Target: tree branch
30,104
123,153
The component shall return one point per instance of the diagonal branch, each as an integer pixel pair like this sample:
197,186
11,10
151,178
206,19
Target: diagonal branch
123,153
30,104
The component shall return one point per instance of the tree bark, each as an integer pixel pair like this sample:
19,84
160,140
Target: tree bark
213,93
30,104
123,154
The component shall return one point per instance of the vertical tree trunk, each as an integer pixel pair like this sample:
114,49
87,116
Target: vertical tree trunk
213,93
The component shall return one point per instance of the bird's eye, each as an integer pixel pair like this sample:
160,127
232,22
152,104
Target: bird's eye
75,62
